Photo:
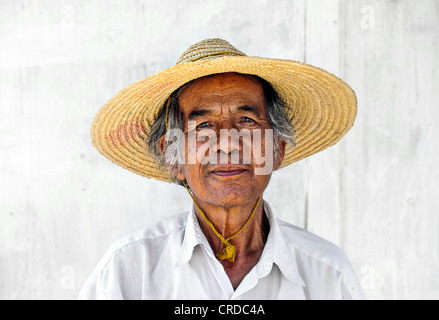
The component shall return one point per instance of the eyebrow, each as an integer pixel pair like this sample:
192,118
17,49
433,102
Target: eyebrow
251,109
202,112
198,113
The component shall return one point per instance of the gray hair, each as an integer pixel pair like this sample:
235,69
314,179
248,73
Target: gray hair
276,115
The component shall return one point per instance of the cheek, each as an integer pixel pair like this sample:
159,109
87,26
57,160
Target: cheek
195,141
201,148
262,148
194,174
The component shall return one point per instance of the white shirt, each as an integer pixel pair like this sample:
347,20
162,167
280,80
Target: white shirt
173,260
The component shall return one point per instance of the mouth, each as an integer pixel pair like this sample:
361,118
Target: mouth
228,171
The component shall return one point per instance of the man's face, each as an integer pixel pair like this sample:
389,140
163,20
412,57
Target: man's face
218,104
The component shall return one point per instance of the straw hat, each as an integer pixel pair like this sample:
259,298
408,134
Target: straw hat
322,107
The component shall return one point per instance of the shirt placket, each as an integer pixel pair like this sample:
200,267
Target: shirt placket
219,273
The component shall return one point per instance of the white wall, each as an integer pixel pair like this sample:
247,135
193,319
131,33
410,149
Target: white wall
62,204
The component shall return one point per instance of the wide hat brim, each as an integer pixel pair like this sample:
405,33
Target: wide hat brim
321,107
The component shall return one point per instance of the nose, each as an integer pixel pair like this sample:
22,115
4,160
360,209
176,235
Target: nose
228,139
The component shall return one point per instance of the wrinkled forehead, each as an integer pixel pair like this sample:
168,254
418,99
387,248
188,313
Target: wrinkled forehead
233,86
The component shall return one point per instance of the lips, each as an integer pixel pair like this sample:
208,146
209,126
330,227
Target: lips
228,171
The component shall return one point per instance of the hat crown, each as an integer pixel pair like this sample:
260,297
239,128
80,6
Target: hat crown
209,49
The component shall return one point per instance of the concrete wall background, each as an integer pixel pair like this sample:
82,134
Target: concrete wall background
375,194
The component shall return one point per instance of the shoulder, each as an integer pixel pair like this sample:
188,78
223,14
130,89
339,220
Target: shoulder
321,261
141,242
128,263
313,246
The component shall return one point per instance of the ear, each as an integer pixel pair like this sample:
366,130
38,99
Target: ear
280,155
162,144
175,169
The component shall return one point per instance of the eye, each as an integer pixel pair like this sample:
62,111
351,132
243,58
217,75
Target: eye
247,120
203,125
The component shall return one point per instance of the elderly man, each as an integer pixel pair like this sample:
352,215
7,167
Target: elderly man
218,123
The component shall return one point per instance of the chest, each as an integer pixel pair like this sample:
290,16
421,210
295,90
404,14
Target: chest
236,271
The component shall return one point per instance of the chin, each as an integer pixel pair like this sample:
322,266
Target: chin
232,196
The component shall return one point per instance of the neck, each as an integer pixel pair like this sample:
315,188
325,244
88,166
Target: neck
228,221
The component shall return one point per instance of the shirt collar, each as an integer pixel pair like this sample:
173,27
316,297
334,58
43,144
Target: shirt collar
276,250
193,236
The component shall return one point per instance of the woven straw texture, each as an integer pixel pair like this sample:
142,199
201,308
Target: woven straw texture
322,107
